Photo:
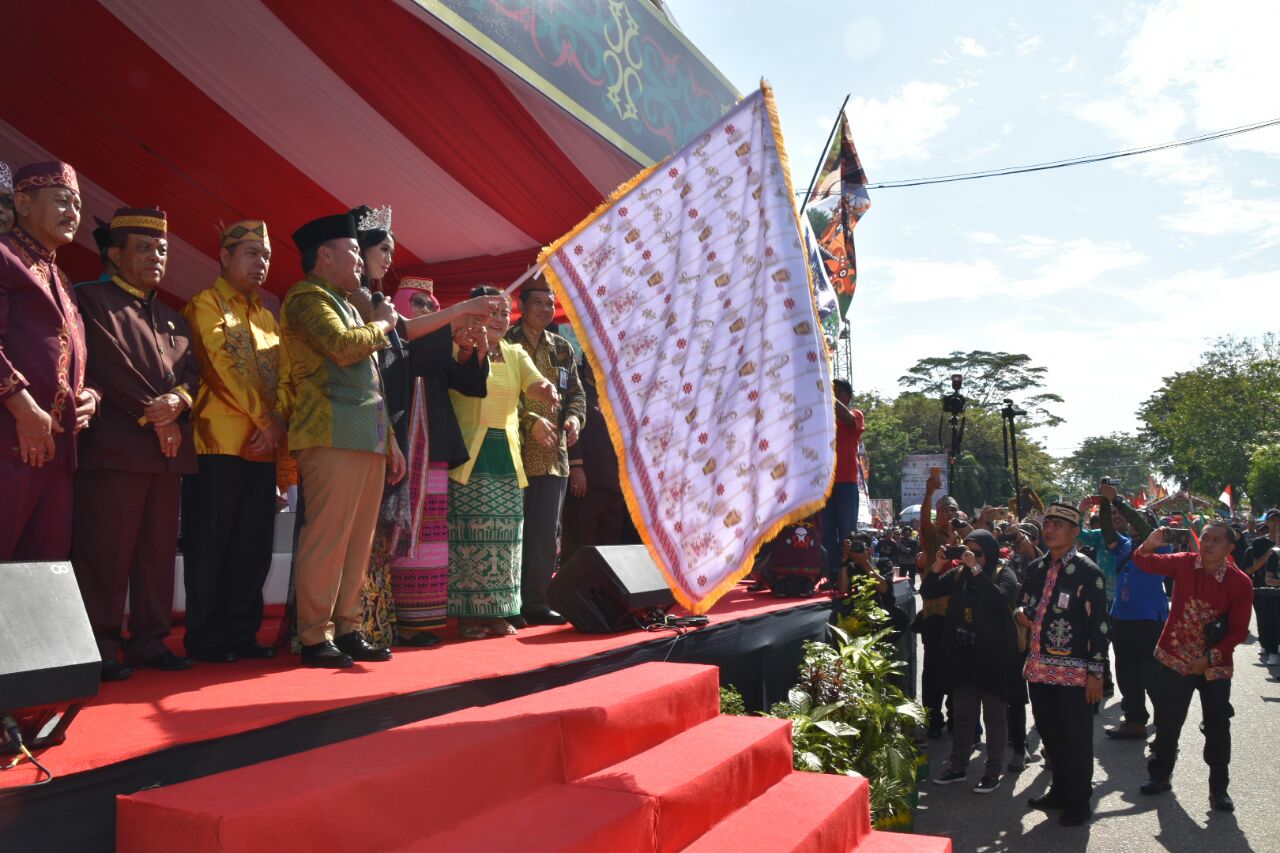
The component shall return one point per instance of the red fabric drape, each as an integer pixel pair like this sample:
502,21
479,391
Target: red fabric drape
454,108
113,108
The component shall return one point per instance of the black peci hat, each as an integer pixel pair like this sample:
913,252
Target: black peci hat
324,229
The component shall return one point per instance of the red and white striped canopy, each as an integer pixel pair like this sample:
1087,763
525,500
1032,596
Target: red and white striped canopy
286,110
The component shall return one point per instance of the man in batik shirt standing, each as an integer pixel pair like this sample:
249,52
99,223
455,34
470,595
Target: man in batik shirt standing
1064,604
240,424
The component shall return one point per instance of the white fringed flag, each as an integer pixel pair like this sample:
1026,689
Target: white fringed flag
690,292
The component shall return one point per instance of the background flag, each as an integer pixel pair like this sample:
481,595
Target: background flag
840,192
690,293
1225,497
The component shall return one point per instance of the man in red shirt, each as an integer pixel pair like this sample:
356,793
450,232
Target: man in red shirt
1209,617
840,517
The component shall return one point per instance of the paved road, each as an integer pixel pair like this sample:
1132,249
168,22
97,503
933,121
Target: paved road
1124,819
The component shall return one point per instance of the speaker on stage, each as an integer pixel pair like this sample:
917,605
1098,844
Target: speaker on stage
610,588
49,661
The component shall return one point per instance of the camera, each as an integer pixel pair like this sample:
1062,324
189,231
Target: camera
857,546
1176,536
953,552
953,403
958,524
1007,539
1110,481
966,636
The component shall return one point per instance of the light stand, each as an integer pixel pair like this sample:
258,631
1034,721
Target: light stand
1009,433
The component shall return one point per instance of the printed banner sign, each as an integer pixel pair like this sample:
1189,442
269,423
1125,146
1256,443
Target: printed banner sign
915,473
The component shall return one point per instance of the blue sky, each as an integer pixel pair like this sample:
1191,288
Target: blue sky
1110,275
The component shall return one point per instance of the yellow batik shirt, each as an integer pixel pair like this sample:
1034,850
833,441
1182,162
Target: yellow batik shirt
243,370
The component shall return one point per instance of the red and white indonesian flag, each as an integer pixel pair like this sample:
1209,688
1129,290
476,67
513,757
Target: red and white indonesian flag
690,292
1226,498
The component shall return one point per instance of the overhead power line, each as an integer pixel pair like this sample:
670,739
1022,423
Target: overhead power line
1073,161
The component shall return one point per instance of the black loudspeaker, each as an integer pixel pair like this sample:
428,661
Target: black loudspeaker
610,588
49,661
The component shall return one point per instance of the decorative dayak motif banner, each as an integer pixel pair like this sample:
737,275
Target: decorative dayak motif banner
690,293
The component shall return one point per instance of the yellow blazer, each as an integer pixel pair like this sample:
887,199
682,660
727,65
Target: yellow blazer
521,373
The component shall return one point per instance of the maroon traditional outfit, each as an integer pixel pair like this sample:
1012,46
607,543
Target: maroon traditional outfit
42,351
127,490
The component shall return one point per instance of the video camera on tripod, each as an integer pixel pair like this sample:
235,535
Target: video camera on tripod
953,404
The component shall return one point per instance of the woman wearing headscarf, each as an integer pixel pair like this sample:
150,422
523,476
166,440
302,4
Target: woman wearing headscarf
981,662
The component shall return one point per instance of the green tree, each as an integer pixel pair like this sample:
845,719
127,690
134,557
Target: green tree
1201,423
909,424
1264,477
1118,455
989,379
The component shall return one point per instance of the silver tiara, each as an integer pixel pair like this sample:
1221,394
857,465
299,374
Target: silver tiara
378,219
6,177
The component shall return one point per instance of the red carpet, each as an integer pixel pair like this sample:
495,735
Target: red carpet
634,760
155,710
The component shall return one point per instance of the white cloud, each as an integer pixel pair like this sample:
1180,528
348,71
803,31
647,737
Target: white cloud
969,47
1025,268
1196,63
1028,45
1071,64
901,127
1215,212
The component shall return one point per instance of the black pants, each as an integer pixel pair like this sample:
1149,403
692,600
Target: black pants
931,692
228,522
1267,606
1133,642
1065,722
597,518
1172,698
543,500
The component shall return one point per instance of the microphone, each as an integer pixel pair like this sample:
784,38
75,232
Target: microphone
396,344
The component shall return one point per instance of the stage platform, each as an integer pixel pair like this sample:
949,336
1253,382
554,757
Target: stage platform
165,728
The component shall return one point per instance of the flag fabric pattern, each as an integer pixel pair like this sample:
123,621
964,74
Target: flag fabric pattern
1225,497
841,188
690,293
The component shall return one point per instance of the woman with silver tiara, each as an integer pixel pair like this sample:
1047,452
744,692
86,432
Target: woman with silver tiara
406,535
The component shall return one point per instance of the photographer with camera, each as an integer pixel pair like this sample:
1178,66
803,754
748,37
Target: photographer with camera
979,652
1064,607
1212,603
1263,565
934,598
1023,541
1138,611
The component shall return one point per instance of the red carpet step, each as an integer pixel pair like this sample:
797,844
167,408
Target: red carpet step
636,760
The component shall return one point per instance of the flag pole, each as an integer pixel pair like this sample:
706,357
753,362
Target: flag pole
826,148
528,274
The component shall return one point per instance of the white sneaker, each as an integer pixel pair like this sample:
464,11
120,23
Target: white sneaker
1273,660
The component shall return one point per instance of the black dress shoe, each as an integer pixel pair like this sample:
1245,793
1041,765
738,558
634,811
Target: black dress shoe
361,649
253,651
1046,802
517,622
1156,786
1221,801
167,661
113,670
1075,816
214,656
543,617
325,655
